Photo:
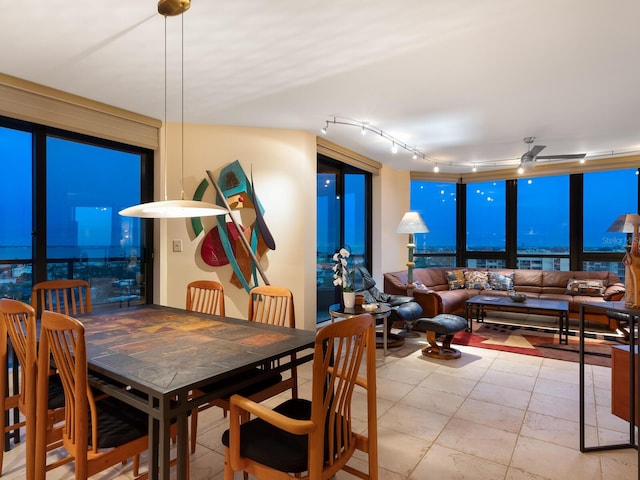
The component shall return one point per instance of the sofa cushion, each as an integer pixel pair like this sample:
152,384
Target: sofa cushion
588,287
528,281
501,281
456,279
477,280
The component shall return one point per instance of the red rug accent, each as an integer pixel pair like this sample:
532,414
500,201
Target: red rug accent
474,340
539,344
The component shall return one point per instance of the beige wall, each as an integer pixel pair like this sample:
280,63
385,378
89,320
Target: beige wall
394,199
284,172
284,167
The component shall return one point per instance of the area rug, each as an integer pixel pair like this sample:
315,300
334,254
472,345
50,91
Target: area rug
539,342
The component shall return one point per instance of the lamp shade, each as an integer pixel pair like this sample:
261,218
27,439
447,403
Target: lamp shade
173,209
412,223
625,223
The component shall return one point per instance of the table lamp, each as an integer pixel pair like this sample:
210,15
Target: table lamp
411,223
629,223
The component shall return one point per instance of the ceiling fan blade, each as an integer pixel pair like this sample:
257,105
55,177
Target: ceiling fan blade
536,150
569,156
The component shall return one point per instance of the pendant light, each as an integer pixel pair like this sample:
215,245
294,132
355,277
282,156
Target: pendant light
173,208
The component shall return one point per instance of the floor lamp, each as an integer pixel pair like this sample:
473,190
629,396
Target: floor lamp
411,223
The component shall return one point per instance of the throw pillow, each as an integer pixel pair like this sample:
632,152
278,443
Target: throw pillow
418,285
456,279
588,287
501,281
477,280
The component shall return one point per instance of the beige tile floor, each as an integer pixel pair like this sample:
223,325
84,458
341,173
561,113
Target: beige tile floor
487,416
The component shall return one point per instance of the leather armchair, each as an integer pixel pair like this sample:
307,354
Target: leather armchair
403,308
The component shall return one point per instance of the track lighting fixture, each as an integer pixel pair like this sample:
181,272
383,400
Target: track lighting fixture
367,127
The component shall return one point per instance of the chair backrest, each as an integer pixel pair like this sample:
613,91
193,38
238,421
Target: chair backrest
20,323
205,296
71,297
340,349
62,338
273,305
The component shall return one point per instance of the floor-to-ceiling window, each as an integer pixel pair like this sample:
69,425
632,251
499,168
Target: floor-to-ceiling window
343,220
543,223
486,224
556,222
437,203
603,249
60,213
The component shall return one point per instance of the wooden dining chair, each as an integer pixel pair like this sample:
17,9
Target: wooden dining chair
272,305
18,323
205,296
68,296
312,439
100,431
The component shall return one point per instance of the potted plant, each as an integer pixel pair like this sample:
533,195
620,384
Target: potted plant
344,278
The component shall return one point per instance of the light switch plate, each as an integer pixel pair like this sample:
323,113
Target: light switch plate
177,245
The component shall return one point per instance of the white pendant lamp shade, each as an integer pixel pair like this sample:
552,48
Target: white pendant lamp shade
173,209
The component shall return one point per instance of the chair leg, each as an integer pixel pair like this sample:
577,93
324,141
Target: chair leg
228,471
136,465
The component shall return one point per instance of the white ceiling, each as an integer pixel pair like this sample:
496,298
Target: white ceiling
463,81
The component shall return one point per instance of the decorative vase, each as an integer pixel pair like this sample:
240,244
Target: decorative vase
349,299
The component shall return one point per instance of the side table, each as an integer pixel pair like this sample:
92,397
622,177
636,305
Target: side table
338,310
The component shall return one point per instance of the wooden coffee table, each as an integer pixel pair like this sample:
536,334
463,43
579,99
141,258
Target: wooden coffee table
478,305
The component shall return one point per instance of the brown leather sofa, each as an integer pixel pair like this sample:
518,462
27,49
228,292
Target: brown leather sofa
435,296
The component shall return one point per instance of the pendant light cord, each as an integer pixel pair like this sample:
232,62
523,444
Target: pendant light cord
166,153
182,107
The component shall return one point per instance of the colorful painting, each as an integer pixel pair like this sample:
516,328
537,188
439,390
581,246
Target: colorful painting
230,241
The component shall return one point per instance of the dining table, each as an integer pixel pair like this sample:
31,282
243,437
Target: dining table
161,354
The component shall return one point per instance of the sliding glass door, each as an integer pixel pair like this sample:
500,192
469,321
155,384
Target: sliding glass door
343,220
60,214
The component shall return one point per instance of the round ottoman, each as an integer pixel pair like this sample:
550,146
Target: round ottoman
443,324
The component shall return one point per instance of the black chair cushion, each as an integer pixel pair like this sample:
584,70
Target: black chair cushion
265,381
443,324
406,312
56,392
118,423
273,447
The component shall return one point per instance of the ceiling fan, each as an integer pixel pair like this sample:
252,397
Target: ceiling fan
530,157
